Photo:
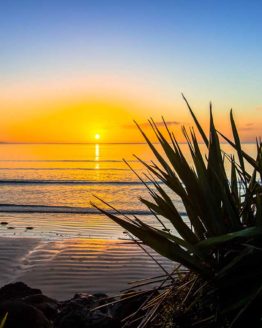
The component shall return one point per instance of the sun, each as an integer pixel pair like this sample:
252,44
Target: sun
97,136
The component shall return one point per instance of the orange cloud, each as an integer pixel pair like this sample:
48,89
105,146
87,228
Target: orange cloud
147,124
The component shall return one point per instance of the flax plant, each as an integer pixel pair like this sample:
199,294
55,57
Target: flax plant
3,321
222,245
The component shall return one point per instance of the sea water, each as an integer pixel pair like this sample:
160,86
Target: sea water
46,192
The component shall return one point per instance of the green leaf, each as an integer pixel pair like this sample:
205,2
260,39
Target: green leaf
2,324
237,142
160,244
201,131
244,154
240,235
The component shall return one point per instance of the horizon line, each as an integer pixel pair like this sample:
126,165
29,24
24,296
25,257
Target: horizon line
68,143
98,143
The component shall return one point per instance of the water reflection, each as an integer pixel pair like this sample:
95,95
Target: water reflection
97,152
97,156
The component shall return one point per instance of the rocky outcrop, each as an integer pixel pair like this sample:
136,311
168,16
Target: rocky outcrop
29,308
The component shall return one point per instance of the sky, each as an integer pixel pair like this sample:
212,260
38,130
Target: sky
71,70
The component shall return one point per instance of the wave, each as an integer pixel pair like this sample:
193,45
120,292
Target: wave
15,208
71,182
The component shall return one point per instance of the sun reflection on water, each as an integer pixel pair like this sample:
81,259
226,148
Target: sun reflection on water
97,152
97,156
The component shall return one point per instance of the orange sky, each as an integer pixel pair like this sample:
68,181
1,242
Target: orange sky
71,70
76,110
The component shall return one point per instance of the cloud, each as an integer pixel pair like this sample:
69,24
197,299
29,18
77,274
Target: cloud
247,127
147,124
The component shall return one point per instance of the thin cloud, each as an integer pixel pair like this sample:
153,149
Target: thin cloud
147,124
247,127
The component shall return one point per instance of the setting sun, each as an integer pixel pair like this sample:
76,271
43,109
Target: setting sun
97,136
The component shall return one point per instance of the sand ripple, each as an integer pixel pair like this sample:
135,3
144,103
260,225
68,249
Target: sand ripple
62,268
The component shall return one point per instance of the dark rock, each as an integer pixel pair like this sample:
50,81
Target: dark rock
78,312
22,315
103,299
16,291
43,303
4,223
100,295
102,321
83,296
81,300
28,307
71,319
86,319
73,312
128,305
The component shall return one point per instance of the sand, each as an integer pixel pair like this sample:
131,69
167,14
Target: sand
12,255
64,267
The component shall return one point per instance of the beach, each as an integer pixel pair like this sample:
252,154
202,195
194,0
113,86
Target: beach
63,268
52,238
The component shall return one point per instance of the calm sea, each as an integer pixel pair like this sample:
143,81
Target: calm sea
49,188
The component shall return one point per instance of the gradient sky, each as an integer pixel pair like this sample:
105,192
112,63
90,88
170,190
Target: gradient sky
71,69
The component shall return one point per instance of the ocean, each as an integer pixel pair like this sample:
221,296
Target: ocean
45,195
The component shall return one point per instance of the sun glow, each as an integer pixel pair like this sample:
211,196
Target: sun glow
97,136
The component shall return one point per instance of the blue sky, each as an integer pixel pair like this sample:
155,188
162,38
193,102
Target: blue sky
153,35
210,50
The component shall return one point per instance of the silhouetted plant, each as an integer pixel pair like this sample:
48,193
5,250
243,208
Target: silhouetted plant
222,245
3,321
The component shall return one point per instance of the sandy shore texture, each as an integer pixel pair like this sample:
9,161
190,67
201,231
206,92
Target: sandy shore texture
62,268
12,255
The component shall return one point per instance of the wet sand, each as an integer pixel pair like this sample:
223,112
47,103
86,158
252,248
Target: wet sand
12,254
64,267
